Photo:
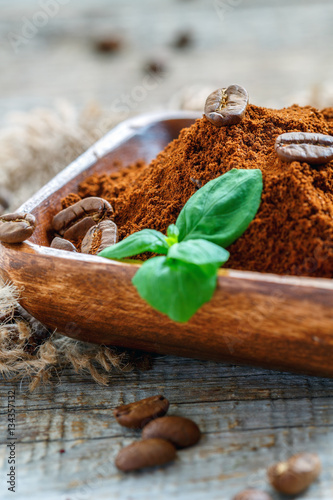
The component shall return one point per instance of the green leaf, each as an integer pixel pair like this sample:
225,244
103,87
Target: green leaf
223,208
174,287
147,240
200,252
173,233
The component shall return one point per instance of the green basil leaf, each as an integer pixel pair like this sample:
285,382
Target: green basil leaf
147,240
200,252
174,287
223,208
173,233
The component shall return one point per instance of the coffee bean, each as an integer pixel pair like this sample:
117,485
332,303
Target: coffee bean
308,147
136,415
104,234
183,40
156,67
109,44
17,227
295,474
226,106
146,453
252,495
78,230
181,432
73,222
62,244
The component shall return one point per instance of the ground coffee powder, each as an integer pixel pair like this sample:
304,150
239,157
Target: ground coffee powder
293,230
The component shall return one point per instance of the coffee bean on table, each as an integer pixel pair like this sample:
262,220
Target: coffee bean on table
252,495
295,474
226,106
306,147
73,222
181,432
183,40
16,227
108,44
136,415
103,235
62,244
146,453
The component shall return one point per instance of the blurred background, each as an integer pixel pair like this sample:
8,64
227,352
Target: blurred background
132,56
72,69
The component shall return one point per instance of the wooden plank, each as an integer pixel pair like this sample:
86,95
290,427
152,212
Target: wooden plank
249,418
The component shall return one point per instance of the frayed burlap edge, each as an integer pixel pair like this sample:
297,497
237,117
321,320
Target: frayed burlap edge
29,350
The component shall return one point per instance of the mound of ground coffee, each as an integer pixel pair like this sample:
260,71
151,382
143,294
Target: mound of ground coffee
293,230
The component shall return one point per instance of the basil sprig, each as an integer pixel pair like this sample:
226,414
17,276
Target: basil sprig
184,278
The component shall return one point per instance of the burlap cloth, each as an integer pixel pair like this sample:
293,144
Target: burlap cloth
34,147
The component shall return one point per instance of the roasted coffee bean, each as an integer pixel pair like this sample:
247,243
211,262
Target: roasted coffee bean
226,106
62,244
146,453
295,474
156,67
183,40
79,229
108,44
252,495
181,432
95,208
107,234
136,415
16,228
302,146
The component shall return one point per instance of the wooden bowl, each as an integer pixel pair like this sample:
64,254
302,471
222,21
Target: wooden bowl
279,322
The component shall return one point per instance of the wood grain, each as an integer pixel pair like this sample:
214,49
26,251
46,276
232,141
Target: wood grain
271,321
249,418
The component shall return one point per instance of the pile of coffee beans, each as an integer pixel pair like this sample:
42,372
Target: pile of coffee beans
85,227
161,435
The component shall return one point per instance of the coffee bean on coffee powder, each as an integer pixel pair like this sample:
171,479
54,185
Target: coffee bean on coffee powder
226,106
292,232
299,146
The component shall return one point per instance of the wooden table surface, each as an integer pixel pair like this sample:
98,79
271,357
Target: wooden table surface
67,438
249,418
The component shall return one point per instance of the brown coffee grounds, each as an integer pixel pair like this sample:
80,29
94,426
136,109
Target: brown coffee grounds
293,230
96,242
